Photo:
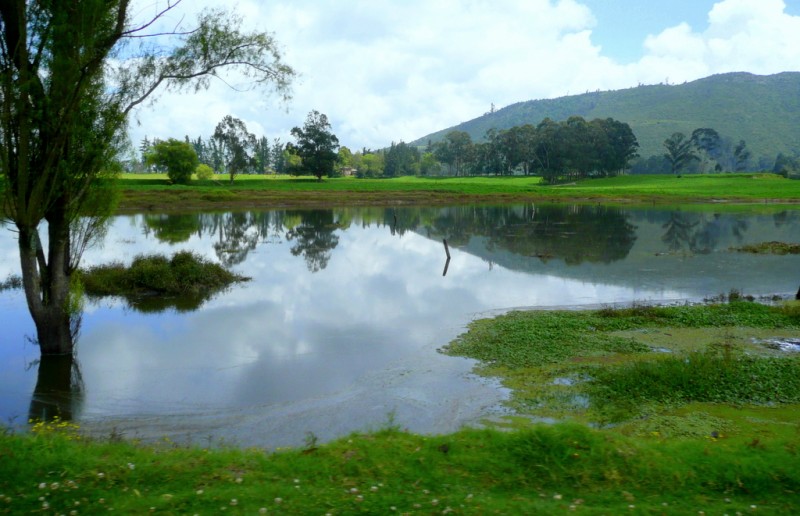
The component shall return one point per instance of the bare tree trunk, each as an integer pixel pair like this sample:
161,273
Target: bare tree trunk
46,282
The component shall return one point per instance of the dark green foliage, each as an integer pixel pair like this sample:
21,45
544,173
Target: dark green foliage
401,160
316,145
555,150
156,282
178,158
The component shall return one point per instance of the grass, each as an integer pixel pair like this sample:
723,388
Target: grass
155,282
153,191
540,470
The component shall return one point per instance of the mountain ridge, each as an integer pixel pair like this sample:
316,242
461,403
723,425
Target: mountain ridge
762,110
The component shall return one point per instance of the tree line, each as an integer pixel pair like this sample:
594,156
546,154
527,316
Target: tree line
234,150
557,151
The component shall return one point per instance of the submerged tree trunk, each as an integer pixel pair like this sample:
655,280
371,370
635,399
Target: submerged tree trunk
46,280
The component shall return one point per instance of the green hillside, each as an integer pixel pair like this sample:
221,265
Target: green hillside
762,110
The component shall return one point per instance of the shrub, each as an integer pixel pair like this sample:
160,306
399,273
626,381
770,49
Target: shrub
204,172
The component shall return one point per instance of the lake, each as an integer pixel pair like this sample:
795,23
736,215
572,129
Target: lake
339,327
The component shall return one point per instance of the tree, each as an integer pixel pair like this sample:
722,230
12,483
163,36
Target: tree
680,152
454,151
65,104
741,156
316,145
179,158
621,146
370,164
237,145
707,141
401,160
261,155
428,165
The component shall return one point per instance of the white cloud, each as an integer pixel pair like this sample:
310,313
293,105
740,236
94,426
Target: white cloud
385,71
756,36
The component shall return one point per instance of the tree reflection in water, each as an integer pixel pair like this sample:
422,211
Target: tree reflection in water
314,238
698,233
59,391
575,234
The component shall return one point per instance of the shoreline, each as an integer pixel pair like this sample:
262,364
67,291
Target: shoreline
133,201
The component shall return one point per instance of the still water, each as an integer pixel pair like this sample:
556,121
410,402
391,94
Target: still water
339,327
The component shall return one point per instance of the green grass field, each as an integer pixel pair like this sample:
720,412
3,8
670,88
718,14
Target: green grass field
153,191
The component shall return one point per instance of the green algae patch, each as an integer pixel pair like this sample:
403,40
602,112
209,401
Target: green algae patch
615,366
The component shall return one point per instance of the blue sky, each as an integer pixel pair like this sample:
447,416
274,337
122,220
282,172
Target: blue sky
391,70
623,25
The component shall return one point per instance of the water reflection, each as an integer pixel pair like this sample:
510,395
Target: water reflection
59,391
314,238
171,228
341,321
698,233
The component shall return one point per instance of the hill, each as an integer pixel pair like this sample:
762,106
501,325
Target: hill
762,110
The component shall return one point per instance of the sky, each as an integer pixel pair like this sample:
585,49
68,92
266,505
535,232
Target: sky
386,71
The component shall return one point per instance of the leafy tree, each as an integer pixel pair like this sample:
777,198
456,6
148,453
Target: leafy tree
787,166
316,145
344,159
261,155
177,157
65,103
370,164
680,152
144,148
428,165
276,156
741,156
401,160
454,151
237,145
708,141
293,164
620,147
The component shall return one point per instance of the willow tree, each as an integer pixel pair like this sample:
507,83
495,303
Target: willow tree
70,73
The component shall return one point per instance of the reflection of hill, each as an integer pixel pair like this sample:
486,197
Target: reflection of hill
695,263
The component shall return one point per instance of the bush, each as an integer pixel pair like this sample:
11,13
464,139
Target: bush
179,158
155,282
204,172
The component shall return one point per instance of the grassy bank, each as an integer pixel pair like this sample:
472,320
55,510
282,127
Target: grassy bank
694,411
541,470
153,191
